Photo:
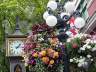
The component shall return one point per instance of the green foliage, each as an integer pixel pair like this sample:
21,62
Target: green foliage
28,10
4,65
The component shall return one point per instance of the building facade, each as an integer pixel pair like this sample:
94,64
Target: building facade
88,11
92,17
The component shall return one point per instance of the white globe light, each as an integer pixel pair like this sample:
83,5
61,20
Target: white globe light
63,14
51,21
45,15
69,6
52,5
79,22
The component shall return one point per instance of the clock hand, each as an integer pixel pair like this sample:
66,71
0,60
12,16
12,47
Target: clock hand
18,46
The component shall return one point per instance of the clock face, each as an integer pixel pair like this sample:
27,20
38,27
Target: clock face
16,47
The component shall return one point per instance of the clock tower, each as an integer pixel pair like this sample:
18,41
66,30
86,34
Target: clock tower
14,49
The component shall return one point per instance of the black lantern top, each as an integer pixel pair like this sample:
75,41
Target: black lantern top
17,33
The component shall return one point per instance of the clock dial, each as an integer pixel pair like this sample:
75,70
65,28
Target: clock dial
16,47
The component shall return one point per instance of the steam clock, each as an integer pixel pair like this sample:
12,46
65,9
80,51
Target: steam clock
14,49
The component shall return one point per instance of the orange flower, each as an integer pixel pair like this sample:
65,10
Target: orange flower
51,62
50,52
55,55
54,41
45,60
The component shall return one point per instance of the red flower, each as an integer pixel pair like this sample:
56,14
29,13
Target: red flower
35,27
75,45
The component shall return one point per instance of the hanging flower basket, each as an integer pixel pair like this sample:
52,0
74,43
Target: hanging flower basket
43,50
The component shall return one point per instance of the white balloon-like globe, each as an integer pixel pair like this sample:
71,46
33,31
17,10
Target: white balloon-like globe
69,6
79,22
51,21
52,5
45,15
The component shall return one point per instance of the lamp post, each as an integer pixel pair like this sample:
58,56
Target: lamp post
59,15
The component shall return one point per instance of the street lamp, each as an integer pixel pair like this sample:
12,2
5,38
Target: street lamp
58,14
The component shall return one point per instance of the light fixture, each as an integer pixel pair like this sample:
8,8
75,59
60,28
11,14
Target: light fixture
64,13
52,5
51,21
45,15
60,16
65,16
69,7
79,22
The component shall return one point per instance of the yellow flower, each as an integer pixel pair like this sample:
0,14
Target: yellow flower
51,62
43,53
45,60
35,55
